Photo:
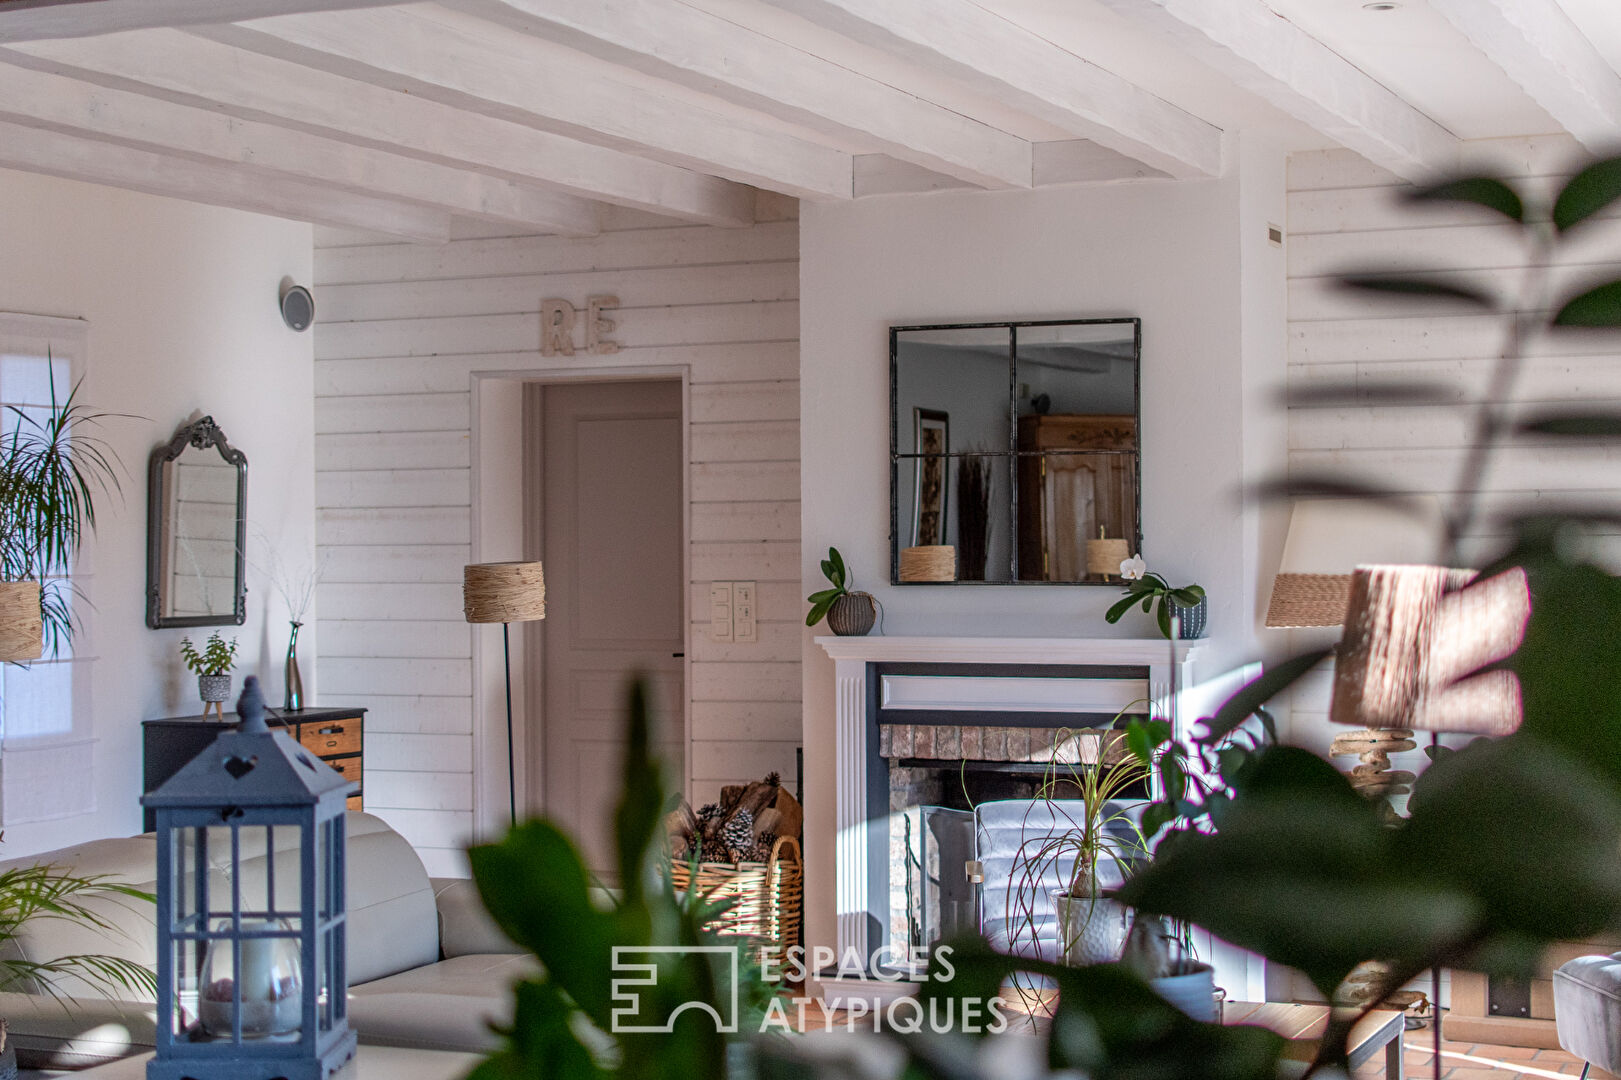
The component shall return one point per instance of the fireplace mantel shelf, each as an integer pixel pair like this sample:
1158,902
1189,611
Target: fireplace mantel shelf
1021,650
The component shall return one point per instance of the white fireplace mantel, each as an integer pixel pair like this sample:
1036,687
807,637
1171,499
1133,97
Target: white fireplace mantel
1006,650
1169,668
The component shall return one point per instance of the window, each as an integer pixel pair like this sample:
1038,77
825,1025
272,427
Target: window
44,707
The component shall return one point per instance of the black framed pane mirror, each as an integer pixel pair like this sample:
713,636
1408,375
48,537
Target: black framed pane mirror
197,517
1014,451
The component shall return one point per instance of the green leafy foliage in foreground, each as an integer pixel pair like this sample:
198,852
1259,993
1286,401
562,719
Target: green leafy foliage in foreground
537,887
32,893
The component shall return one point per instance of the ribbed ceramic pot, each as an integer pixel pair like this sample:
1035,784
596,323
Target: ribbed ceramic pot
852,614
1091,929
1193,619
212,688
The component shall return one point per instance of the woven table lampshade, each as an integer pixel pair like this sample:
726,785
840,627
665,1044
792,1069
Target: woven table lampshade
1328,538
504,592
1415,640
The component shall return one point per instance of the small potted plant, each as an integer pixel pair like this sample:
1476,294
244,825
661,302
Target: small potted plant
1147,587
212,666
848,613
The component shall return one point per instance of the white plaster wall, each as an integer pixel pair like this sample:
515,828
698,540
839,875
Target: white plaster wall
1169,253
181,304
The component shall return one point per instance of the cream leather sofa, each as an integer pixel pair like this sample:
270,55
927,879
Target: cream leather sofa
428,968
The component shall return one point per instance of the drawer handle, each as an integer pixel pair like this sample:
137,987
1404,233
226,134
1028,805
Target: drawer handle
332,742
333,730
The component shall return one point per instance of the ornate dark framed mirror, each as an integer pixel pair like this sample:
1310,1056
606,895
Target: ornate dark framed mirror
1014,452
196,530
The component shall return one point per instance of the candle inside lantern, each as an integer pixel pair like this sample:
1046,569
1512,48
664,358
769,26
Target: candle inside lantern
270,983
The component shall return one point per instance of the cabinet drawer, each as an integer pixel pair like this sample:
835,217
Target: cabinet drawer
355,802
349,767
337,737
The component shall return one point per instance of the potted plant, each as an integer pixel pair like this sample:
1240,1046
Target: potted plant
212,666
51,469
848,613
1087,803
1147,588
42,891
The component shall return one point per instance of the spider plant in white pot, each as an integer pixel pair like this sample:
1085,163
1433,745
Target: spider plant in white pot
1089,800
52,468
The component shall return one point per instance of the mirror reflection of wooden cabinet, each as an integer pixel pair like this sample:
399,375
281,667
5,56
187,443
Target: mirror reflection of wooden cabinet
1077,482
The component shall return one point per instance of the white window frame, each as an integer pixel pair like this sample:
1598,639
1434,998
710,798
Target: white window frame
61,338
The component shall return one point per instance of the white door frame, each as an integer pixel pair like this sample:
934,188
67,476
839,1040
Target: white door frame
497,535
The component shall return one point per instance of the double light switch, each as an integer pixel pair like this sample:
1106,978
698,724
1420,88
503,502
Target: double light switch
732,613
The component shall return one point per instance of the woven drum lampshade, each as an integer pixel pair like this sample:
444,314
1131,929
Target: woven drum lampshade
931,562
504,592
1104,556
21,632
1415,638
1328,538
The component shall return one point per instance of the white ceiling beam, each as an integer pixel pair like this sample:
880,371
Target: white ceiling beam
40,99
671,40
1542,50
35,20
189,70
53,153
467,62
1279,62
1025,71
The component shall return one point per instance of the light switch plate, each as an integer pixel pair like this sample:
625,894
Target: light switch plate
744,613
720,611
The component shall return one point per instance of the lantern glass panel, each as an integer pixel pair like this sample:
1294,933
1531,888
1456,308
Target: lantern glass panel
254,972
329,998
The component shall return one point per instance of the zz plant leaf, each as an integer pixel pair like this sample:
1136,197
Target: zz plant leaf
1599,306
1587,193
1487,191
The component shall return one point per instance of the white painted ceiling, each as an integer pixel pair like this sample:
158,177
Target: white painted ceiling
1420,56
1402,86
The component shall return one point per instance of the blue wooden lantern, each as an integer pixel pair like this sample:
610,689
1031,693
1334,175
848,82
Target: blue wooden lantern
251,932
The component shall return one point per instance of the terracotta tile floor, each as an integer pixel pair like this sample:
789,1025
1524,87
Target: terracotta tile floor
1481,1061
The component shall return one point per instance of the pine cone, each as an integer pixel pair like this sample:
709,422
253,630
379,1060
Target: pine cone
762,847
738,836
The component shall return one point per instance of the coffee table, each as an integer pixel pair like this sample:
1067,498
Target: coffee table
1303,1025
370,1063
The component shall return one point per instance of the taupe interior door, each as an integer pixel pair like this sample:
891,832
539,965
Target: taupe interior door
608,484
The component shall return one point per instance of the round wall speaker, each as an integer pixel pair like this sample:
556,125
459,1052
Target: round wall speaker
297,307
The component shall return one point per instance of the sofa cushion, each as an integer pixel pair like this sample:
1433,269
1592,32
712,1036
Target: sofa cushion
465,927
450,1005
393,922
92,1032
477,975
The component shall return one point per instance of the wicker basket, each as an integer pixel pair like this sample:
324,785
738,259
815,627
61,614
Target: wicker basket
766,897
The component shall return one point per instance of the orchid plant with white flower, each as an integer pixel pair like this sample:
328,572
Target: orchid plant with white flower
1147,587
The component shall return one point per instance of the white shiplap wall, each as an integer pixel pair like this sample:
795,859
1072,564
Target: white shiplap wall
402,331
1345,215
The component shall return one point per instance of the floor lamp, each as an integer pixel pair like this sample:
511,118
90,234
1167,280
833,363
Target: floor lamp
505,593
